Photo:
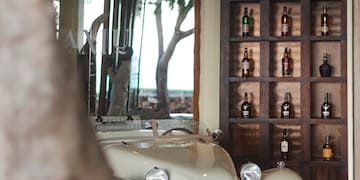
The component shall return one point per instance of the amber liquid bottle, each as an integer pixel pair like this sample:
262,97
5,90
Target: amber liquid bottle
284,146
324,22
325,107
285,22
245,107
245,65
246,23
286,64
327,150
286,107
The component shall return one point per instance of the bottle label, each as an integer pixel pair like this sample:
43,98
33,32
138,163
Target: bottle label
326,114
286,113
246,65
245,28
327,153
324,28
284,28
245,113
284,146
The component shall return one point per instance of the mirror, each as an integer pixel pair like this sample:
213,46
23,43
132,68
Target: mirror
130,59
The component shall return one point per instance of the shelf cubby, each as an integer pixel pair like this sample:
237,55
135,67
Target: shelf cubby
277,52
276,95
294,136
237,54
237,92
332,49
237,11
294,14
334,14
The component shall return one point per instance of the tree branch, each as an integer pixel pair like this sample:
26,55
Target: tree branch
184,34
183,11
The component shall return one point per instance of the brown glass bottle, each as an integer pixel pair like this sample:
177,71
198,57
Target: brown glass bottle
324,22
286,64
327,150
326,107
246,107
286,106
245,65
285,22
284,146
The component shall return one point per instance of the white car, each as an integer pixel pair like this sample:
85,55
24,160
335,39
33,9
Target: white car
135,153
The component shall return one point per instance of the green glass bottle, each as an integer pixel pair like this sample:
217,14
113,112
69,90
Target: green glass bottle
246,23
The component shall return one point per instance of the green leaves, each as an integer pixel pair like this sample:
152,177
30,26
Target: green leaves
181,4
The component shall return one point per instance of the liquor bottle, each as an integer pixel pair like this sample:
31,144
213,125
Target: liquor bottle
286,65
245,107
246,23
285,23
245,65
324,22
286,107
284,146
327,153
325,68
325,107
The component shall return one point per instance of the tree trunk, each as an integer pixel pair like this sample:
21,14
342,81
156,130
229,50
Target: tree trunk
165,56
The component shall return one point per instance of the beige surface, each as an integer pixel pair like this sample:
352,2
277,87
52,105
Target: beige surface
209,65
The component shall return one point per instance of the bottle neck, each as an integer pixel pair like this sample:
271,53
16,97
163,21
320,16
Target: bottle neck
326,99
325,58
245,53
245,12
286,97
284,134
285,11
246,97
324,10
286,52
327,139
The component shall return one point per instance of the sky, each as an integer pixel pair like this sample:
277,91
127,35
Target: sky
181,67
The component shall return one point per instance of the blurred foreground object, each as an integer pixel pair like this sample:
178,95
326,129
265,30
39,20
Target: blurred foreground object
44,131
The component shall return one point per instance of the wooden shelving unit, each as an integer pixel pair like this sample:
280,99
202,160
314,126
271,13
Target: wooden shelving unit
257,139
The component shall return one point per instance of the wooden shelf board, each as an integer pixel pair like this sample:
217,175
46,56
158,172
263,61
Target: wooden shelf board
244,1
328,121
265,120
265,38
327,38
328,79
266,79
324,163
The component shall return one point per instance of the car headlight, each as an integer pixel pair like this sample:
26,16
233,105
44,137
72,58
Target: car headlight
157,174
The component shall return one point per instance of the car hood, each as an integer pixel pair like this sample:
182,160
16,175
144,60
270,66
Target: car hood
184,157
